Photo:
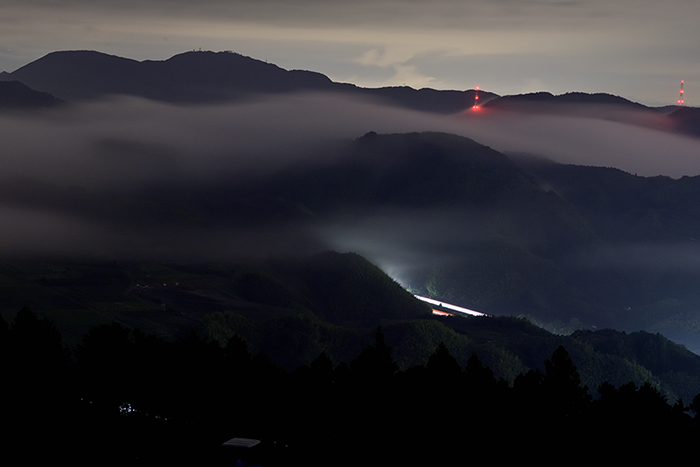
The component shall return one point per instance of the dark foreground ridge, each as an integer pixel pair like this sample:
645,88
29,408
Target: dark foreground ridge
122,397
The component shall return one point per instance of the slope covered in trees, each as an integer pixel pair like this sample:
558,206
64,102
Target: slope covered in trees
647,269
123,396
331,303
570,247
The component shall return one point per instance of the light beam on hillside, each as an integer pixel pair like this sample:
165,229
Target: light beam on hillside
458,309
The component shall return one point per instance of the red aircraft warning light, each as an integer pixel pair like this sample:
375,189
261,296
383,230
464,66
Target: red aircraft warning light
476,99
681,101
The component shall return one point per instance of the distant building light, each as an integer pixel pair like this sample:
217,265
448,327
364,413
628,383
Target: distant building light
441,313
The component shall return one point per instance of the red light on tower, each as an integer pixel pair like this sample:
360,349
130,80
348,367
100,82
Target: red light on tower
681,101
476,99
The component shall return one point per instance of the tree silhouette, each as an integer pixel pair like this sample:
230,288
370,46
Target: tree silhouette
36,341
477,374
562,384
105,359
35,385
375,362
442,365
321,369
238,356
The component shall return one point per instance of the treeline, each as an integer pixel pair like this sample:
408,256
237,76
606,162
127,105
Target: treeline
122,397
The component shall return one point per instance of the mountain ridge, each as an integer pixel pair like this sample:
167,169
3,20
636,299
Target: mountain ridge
205,77
574,97
17,96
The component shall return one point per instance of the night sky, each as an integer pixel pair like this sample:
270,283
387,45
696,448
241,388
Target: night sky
639,49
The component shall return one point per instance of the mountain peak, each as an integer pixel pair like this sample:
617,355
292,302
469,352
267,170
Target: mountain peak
195,76
63,59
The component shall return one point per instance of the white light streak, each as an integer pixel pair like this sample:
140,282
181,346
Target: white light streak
456,308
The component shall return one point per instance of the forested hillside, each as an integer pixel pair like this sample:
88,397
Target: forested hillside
646,270
178,401
330,303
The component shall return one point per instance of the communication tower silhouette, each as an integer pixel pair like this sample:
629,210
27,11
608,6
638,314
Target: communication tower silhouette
681,101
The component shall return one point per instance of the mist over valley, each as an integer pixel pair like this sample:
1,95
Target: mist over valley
576,211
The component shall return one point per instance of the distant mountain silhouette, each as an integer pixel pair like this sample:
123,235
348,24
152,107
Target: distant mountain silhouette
188,77
201,77
427,99
597,105
15,95
211,77
541,99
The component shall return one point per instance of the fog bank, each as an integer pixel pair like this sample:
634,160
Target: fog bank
75,180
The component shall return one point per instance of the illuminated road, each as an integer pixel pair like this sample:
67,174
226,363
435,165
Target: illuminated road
458,309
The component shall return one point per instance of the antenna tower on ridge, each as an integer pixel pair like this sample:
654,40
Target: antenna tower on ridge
681,101
476,99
